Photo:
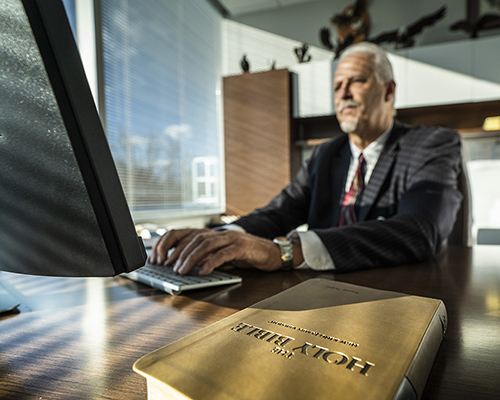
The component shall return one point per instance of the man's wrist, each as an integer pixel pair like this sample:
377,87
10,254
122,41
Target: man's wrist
286,251
298,257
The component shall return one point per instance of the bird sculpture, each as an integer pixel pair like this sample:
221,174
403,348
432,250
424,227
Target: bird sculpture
352,25
353,21
245,65
301,53
404,36
484,22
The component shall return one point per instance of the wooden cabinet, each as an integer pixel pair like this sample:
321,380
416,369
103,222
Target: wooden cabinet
260,155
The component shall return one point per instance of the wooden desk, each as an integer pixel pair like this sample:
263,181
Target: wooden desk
78,338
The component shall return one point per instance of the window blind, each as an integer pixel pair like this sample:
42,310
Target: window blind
162,103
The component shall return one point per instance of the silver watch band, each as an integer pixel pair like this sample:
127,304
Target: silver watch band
286,249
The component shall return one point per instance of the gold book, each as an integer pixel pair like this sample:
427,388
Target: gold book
320,339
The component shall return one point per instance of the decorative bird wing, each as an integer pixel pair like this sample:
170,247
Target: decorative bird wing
297,53
385,37
342,46
350,14
488,21
484,22
405,37
359,8
461,25
324,36
426,21
337,49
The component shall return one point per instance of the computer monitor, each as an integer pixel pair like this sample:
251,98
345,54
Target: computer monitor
62,208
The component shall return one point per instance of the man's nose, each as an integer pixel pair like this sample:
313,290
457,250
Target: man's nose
344,92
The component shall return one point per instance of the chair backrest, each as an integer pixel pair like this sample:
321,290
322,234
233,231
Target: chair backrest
488,236
461,232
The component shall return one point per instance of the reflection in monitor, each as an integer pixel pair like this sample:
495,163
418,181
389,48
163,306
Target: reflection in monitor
62,208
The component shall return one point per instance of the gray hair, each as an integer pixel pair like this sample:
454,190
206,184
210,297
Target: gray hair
382,66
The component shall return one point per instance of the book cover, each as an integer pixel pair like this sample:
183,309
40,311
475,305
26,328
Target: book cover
320,339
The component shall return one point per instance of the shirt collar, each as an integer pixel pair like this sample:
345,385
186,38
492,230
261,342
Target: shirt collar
374,149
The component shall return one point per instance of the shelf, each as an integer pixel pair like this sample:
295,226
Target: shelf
465,117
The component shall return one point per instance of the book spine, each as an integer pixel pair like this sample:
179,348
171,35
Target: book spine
159,391
421,365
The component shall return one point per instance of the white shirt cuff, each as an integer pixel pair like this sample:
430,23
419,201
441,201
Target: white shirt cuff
316,256
230,227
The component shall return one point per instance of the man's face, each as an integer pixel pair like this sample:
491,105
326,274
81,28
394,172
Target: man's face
361,100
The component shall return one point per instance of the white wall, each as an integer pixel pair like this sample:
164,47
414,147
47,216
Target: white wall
449,73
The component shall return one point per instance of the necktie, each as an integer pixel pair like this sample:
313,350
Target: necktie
348,212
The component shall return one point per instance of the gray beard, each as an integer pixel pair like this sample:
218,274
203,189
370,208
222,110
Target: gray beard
349,126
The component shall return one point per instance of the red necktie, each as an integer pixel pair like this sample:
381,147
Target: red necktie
348,212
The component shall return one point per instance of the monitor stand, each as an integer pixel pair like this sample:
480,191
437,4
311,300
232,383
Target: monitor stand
7,301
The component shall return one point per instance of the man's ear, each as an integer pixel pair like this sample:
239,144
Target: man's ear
390,90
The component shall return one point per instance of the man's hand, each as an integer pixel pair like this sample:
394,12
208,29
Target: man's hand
212,249
176,239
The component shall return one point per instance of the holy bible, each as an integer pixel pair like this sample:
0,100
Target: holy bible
321,339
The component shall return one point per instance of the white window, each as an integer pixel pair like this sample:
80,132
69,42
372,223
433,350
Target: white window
205,180
482,155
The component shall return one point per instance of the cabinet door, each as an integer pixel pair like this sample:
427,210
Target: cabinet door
257,131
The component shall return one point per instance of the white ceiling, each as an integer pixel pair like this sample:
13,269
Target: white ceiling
239,7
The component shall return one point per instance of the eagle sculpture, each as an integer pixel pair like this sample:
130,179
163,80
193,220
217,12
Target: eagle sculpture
352,25
353,21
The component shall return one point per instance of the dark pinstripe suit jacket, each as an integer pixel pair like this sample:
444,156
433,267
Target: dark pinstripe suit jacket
406,212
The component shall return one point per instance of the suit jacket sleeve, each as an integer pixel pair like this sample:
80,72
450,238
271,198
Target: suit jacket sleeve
407,211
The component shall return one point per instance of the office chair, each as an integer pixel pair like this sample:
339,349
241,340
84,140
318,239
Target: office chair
488,236
461,232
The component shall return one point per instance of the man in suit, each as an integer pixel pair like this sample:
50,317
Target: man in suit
401,202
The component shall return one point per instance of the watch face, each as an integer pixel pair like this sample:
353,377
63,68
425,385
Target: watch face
286,250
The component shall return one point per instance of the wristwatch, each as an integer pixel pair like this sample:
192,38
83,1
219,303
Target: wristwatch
286,249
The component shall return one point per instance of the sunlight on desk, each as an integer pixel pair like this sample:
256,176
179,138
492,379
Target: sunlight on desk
94,322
